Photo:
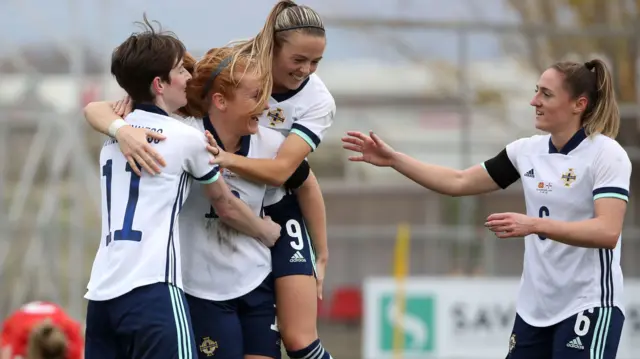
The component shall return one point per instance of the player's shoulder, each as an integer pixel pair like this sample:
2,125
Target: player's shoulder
607,147
267,140
316,93
530,144
186,129
193,122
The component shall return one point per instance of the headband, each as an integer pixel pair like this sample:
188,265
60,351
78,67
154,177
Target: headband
301,27
221,66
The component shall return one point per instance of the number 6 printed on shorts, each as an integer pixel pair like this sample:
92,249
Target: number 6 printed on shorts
294,230
581,328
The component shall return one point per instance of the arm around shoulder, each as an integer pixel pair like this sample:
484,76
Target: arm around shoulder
101,117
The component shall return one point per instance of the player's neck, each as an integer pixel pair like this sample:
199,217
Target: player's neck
561,138
159,101
230,140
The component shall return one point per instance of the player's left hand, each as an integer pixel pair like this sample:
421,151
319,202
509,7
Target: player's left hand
510,225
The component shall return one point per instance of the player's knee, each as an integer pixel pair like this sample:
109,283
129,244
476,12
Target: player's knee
296,340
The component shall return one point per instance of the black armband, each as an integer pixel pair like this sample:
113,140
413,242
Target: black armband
501,170
299,176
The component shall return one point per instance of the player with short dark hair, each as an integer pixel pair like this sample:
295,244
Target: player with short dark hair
576,186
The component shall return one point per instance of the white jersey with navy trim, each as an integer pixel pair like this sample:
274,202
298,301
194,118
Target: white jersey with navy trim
560,280
220,263
307,111
140,241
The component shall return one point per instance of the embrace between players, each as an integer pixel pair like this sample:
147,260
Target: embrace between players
222,229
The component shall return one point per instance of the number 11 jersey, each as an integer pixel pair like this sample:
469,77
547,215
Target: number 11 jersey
140,243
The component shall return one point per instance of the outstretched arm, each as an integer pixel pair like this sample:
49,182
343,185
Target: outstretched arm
444,180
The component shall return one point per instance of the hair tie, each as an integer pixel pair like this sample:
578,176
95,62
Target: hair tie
589,65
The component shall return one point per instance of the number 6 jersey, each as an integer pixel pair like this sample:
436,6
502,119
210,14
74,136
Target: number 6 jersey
560,280
140,241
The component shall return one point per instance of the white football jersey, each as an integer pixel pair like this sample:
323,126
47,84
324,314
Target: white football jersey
307,111
220,263
140,241
560,280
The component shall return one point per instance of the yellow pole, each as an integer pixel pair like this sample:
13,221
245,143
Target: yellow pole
400,269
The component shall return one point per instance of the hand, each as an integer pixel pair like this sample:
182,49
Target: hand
270,233
371,148
321,266
510,225
220,156
123,107
137,150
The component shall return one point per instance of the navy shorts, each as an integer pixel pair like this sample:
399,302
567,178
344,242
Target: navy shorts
234,328
293,252
149,322
593,333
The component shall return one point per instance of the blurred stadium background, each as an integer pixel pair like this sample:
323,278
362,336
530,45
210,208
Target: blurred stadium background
446,82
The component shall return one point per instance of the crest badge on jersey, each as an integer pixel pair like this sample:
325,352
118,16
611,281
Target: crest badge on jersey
569,177
512,343
275,116
208,347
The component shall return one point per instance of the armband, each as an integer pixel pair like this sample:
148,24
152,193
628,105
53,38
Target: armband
299,176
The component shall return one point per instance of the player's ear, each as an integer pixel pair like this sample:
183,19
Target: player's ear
157,86
219,101
580,104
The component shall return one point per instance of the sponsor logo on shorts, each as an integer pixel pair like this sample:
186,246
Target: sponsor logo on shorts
297,257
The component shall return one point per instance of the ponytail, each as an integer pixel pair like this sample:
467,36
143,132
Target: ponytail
604,117
594,81
47,342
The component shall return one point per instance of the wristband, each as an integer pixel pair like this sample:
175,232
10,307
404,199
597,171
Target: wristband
115,126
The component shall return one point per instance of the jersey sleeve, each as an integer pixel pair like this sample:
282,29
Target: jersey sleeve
612,173
272,196
503,168
196,158
315,122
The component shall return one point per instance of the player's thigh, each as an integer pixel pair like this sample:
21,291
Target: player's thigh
100,339
529,342
216,327
293,253
258,321
593,333
156,321
297,309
